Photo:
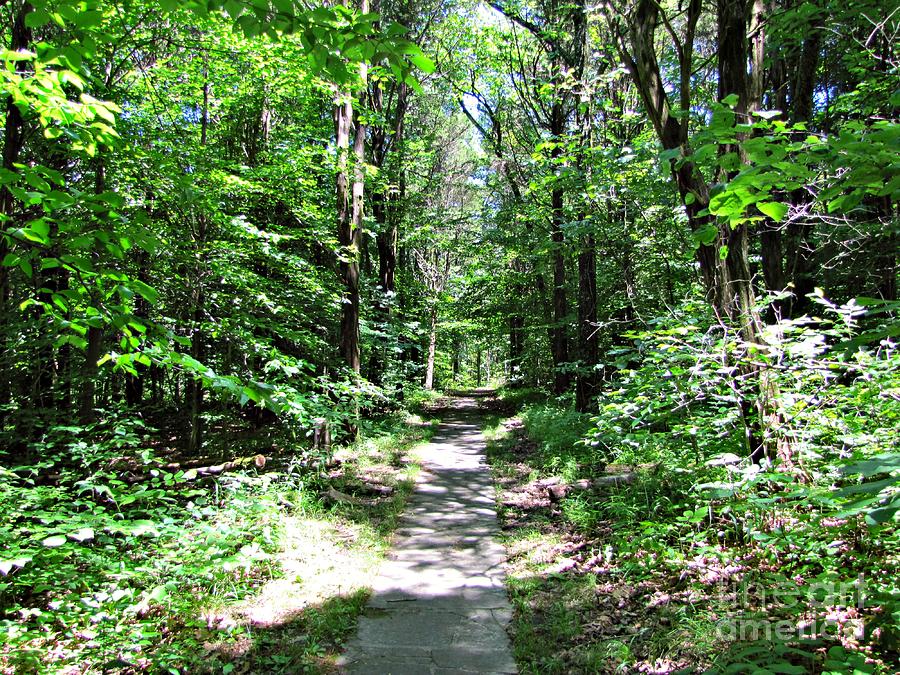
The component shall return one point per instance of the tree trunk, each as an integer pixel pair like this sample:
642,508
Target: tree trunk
516,342
478,368
727,282
95,333
588,338
772,255
643,65
13,141
198,345
198,351
800,251
559,334
343,113
350,214
134,384
432,345
587,323
387,204
886,256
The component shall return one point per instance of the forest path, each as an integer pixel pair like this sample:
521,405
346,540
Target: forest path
439,603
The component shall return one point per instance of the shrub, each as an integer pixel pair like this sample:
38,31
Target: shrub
558,432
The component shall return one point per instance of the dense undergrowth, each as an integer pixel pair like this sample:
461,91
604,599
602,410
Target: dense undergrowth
116,560
642,538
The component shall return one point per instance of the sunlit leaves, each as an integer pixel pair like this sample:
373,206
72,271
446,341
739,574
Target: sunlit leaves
774,210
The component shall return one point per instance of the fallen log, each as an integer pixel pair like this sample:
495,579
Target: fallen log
259,461
339,497
560,491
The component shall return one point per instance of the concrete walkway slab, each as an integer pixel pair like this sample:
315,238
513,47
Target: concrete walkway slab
439,604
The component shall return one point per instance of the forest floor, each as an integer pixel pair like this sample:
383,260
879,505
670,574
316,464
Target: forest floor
597,587
254,570
299,619
573,610
272,571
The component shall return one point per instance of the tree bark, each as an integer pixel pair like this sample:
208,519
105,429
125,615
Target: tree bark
13,142
728,283
478,368
587,323
516,344
588,337
350,215
387,204
638,49
799,249
195,389
134,384
559,334
432,346
95,333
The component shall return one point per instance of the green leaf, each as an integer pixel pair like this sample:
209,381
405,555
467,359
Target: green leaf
140,527
674,153
873,487
284,6
707,234
234,8
883,463
6,566
158,593
37,18
89,19
775,210
147,291
884,514
786,668
249,25
82,535
422,62
37,230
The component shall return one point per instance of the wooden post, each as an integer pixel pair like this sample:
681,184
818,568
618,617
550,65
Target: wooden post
321,435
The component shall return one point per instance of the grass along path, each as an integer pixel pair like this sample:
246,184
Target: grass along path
298,620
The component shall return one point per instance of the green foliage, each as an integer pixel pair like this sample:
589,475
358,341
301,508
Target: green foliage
111,555
846,167
819,517
171,277
99,537
515,398
558,432
674,396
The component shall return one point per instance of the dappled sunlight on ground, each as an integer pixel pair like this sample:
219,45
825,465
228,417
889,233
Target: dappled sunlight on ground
320,561
303,610
439,603
316,563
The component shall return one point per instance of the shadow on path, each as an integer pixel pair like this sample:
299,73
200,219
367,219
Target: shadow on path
439,604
